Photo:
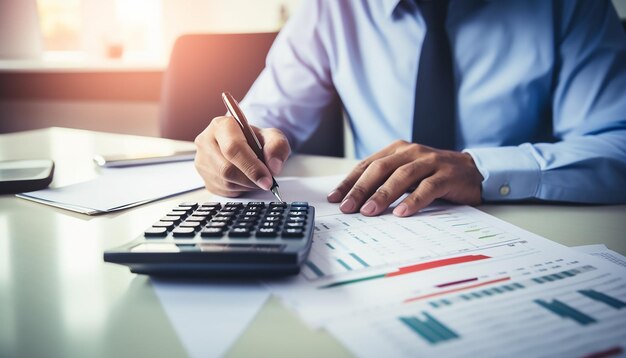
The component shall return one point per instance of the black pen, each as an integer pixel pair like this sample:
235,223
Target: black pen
253,141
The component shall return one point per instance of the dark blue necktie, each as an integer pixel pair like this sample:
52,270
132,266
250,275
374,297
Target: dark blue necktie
433,120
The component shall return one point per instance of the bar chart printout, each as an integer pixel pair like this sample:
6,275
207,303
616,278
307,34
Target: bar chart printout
555,318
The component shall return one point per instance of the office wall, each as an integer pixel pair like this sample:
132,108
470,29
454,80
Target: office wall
138,118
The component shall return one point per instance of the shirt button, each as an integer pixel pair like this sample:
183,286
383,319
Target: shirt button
505,190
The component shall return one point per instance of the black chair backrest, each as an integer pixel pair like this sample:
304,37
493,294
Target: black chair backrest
202,66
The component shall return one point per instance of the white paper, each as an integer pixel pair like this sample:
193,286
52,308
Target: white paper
121,188
311,189
486,304
601,251
209,316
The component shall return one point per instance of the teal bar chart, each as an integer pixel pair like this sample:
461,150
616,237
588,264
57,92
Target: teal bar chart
430,329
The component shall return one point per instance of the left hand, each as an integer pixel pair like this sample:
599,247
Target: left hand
382,178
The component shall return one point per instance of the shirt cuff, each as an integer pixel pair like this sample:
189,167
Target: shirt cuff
510,173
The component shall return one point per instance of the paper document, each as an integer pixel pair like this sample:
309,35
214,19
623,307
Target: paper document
121,188
454,281
313,190
209,316
601,251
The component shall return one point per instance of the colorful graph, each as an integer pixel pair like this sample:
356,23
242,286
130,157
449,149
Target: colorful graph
430,329
498,289
411,269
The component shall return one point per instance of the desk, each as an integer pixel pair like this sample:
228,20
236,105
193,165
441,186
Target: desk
58,298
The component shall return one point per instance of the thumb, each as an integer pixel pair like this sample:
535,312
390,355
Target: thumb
275,148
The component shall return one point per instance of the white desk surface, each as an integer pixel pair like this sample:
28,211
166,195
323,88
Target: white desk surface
58,298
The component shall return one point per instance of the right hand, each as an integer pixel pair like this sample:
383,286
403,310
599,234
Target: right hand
229,166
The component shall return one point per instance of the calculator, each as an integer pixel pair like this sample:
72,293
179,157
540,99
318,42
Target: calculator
233,238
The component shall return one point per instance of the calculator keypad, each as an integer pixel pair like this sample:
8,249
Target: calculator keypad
232,221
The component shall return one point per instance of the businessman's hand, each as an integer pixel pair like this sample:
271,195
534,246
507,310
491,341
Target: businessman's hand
228,165
426,172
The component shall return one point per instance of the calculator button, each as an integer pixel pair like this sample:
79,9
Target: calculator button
274,213
191,224
293,232
173,218
230,209
297,213
233,204
248,219
212,232
182,209
199,219
249,212
184,232
222,219
269,224
276,204
267,232
168,225
211,204
204,212
296,219
182,214
294,224
239,232
188,205
257,203
271,219
218,224
156,232
244,225
302,204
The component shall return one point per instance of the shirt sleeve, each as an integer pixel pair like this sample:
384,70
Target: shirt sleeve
295,87
588,162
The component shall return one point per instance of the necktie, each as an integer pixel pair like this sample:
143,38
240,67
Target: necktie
433,120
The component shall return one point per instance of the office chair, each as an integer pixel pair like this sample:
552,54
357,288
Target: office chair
202,66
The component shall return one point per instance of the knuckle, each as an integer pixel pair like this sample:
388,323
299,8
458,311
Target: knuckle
406,171
252,171
227,170
383,193
359,191
362,165
379,166
231,149
399,143
430,158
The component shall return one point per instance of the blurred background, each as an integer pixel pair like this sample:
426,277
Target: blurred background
99,64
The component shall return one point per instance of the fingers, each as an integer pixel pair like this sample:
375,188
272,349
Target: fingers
346,185
398,183
427,191
227,164
234,147
371,179
276,148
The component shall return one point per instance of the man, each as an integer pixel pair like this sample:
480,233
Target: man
464,100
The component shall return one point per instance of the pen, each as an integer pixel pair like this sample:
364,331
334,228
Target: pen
253,141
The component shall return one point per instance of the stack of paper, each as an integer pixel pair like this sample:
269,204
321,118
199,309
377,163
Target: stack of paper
451,281
121,188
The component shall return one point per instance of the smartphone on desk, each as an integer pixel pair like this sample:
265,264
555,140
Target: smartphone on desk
128,160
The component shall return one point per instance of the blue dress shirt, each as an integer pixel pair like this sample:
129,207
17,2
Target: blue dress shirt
541,104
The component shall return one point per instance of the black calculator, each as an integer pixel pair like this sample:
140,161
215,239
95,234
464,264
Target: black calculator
233,238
